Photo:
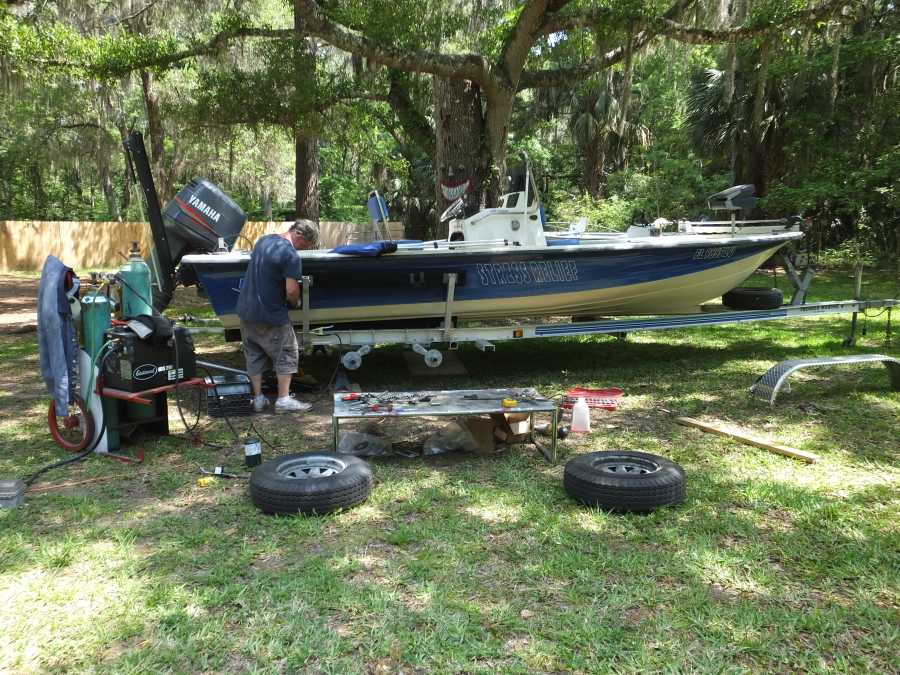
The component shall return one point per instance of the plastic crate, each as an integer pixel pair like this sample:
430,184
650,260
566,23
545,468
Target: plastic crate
606,399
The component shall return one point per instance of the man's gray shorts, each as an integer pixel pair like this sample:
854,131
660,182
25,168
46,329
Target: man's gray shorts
264,343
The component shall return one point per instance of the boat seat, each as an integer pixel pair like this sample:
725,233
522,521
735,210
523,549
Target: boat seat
768,385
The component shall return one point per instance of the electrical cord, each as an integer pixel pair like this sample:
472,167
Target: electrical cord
215,390
188,428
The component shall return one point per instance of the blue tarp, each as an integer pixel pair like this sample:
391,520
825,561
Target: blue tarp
371,250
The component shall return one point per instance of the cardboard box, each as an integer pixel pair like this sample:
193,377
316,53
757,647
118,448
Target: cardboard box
513,423
512,427
482,430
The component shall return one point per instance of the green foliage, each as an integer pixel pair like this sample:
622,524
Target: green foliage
613,213
230,111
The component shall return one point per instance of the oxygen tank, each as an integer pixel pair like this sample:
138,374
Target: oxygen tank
137,292
96,313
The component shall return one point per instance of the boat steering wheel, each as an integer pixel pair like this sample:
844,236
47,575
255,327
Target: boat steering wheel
452,210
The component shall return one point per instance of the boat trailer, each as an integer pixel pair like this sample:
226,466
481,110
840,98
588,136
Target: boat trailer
360,342
356,343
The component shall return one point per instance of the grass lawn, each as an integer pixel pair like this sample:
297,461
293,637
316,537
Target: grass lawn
463,563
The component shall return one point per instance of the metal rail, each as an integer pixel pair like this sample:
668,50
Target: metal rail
523,331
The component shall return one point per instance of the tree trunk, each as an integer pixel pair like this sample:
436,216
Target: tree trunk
459,157
497,116
306,143
265,199
594,160
834,75
307,177
109,192
757,145
625,98
157,138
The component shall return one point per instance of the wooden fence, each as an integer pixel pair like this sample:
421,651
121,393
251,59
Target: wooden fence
25,244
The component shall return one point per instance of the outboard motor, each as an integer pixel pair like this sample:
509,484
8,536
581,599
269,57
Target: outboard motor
193,222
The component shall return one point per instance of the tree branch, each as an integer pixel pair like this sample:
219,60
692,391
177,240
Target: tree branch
465,66
126,19
587,18
153,59
561,77
595,16
667,26
682,33
518,43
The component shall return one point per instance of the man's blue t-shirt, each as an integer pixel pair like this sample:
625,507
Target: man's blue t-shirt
263,297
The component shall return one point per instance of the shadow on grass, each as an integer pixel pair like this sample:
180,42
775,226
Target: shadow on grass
463,560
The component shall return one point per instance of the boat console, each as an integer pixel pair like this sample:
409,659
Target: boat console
518,220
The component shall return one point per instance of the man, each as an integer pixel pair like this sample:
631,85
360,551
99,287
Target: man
270,287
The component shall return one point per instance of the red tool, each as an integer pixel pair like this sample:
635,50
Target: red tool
381,407
351,397
608,399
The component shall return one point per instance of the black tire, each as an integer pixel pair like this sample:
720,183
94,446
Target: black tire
620,480
310,483
745,297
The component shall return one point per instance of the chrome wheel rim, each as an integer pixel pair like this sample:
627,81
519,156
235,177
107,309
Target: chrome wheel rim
313,466
626,466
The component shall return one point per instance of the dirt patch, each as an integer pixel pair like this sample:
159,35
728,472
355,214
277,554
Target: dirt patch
18,304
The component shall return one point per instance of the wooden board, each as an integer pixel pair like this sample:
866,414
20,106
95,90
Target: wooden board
749,439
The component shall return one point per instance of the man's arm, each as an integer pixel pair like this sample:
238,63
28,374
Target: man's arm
292,288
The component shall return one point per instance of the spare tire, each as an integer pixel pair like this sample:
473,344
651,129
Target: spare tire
310,483
620,480
745,297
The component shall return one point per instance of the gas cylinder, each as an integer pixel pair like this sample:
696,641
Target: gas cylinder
136,290
96,314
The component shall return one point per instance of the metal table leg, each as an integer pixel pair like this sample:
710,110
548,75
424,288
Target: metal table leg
334,431
550,455
553,433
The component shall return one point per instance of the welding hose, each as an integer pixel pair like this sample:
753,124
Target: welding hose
84,453
190,429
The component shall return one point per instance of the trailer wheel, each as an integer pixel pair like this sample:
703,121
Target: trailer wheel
745,297
620,480
310,483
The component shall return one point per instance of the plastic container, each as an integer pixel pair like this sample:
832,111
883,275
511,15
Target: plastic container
252,452
581,416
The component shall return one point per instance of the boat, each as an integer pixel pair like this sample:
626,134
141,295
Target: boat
499,263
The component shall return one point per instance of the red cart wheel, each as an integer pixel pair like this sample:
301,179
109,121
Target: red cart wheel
74,431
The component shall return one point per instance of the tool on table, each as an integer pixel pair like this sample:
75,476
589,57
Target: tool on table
219,472
506,401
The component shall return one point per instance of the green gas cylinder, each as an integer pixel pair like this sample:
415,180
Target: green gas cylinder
96,318
136,290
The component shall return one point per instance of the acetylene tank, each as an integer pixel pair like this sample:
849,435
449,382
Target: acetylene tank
137,292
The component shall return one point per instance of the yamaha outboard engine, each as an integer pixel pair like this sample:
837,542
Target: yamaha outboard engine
193,222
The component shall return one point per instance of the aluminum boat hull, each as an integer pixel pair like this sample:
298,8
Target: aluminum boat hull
660,275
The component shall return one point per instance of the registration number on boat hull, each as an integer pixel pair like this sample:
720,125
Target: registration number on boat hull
714,253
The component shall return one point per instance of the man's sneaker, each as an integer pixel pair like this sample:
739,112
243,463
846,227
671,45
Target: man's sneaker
260,403
290,404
